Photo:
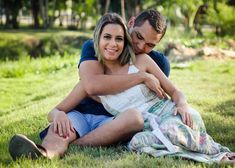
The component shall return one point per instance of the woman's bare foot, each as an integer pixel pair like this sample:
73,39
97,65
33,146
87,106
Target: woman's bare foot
228,158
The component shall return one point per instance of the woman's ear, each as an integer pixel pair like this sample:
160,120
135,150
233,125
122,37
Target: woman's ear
131,22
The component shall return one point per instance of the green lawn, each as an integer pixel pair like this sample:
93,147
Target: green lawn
41,83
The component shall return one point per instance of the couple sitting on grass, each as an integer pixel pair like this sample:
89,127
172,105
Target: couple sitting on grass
139,105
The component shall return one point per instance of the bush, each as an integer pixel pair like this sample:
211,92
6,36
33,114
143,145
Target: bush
34,47
11,49
223,20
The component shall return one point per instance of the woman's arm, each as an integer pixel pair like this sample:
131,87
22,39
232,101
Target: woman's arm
145,63
57,115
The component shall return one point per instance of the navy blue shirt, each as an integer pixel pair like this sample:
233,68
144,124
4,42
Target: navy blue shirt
88,105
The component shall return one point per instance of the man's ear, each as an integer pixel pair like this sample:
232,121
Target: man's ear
131,22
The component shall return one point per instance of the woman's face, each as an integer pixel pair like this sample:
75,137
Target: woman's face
111,42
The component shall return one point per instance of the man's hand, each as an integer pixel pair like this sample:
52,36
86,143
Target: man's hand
183,110
153,83
62,124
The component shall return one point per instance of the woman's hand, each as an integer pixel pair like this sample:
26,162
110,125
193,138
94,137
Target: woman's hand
183,110
62,124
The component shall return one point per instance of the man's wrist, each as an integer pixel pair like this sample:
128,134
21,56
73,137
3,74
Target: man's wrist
142,76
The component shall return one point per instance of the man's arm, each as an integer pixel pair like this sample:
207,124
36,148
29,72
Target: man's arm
57,116
96,83
69,102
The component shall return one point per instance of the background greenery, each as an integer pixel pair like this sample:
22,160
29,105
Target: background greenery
73,14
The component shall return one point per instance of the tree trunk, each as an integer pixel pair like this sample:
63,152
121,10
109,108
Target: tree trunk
14,21
107,4
60,18
53,18
217,28
35,12
8,20
133,8
123,9
44,12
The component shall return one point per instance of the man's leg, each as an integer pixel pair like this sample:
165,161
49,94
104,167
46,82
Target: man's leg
122,127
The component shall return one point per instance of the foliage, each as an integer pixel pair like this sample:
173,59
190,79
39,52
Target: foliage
15,47
11,49
83,14
223,19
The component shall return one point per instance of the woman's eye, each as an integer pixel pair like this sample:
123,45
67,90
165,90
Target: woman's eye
119,39
107,37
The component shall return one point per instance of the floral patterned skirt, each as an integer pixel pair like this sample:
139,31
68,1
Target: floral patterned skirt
192,143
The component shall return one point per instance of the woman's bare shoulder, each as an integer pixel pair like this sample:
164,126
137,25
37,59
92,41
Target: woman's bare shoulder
141,61
143,58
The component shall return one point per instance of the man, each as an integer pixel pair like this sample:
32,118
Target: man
89,124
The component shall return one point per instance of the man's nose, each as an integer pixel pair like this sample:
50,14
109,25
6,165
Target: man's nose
141,45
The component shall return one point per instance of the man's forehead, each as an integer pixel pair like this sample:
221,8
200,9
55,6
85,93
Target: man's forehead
149,36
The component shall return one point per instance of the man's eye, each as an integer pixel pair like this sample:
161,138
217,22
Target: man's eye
151,46
138,36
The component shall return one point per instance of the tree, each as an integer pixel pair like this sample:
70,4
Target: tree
200,18
12,8
222,16
35,12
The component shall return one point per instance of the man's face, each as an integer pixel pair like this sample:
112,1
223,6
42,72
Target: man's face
144,38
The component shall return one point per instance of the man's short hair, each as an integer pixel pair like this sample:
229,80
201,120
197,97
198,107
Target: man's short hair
155,19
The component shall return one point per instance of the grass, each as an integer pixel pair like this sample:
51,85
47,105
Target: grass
25,100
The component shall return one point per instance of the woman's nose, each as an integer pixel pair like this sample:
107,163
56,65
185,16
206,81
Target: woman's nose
113,42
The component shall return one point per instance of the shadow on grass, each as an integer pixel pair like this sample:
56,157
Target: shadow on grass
220,123
226,109
27,103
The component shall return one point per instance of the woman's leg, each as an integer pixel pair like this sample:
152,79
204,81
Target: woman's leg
55,145
195,139
123,127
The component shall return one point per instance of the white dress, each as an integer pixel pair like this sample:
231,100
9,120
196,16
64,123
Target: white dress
164,133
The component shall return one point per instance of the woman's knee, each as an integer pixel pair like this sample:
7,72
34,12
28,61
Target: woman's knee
135,119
